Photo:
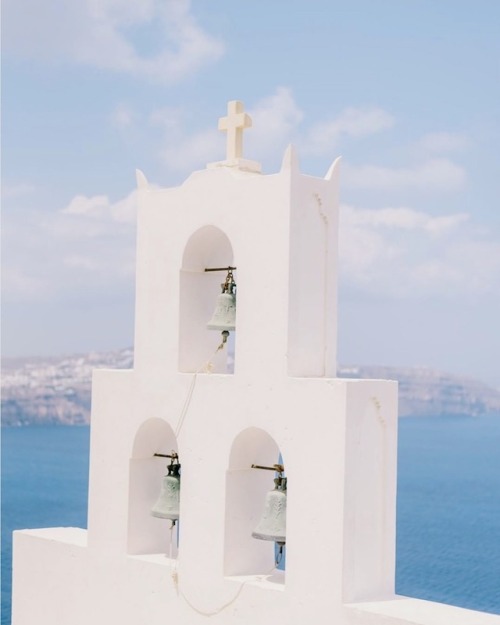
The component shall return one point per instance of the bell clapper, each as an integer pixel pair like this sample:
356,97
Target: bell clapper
225,336
279,555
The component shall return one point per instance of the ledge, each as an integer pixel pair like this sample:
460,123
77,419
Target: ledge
275,580
160,559
420,612
241,164
68,535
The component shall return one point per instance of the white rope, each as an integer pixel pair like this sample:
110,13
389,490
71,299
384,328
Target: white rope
171,540
207,367
175,578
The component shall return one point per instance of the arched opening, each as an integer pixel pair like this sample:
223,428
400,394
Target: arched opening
208,247
246,491
146,533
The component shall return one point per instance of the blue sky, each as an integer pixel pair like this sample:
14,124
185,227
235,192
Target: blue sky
407,91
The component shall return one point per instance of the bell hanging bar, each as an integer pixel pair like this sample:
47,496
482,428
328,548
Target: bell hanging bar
279,468
173,455
220,268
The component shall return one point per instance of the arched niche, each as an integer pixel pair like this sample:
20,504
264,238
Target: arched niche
208,247
246,491
148,534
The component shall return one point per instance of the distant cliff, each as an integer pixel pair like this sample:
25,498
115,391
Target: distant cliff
40,391
424,392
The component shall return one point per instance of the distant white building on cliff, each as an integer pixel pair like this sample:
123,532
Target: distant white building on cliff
282,404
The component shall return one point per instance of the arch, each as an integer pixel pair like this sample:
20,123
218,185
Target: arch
208,246
246,490
148,534
252,446
152,434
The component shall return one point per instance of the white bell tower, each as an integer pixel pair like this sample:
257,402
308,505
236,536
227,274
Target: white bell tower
279,399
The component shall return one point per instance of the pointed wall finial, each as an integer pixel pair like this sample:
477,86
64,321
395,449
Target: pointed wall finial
333,172
290,160
142,182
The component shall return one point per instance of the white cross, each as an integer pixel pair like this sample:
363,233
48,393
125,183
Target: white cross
234,124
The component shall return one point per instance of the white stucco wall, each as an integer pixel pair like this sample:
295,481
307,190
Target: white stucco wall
337,437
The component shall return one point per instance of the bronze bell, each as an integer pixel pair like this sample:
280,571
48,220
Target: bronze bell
167,505
272,525
224,317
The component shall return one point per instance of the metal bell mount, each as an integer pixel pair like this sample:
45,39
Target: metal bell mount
272,525
224,317
167,505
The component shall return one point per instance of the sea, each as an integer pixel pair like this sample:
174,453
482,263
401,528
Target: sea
448,507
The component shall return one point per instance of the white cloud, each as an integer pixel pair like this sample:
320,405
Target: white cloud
19,284
405,219
117,35
171,119
439,174
361,249
400,252
122,116
278,120
192,152
182,152
323,137
81,262
275,120
125,210
10,191
90,206
443,142
100,207
89,244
